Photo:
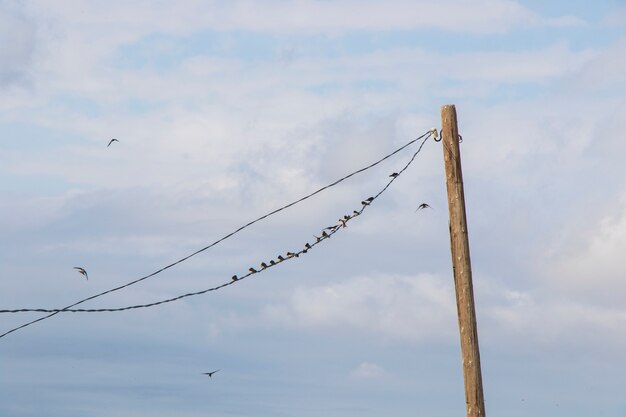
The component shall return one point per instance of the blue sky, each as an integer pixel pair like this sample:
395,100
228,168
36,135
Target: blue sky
227,110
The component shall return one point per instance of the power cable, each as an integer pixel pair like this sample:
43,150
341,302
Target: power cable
53,312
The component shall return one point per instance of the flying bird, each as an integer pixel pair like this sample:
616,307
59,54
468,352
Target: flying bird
210,374
422,206
82,271
111,141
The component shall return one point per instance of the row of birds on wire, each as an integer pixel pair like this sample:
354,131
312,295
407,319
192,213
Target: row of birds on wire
325,234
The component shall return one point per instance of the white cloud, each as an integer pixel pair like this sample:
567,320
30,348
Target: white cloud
304,16
527,322
368,371
603,73
17,37
591,261
617,18
527,66
417,308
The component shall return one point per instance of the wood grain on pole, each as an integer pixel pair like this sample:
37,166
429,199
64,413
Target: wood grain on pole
461,265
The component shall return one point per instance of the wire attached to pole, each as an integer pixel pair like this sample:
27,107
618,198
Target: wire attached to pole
54,312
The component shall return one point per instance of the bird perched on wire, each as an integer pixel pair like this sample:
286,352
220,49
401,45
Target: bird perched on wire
263,265
355,213
280,258
342,222
210,374
307,245
111,141
422,206
367,202
234,278
395,174
324,234
82,271
272,262
252,270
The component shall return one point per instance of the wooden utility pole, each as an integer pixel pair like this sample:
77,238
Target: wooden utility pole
461,265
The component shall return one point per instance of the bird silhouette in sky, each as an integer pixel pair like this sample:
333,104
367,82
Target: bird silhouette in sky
210,374
82,271
422,206
111,141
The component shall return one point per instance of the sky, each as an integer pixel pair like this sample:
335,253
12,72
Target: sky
227,110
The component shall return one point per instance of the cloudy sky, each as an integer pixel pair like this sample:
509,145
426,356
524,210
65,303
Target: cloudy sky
226,110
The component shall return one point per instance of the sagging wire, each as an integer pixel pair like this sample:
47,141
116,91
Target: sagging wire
326,234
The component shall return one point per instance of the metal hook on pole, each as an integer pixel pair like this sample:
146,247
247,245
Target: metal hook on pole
440,137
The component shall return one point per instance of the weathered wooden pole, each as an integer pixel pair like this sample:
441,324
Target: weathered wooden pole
459,245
